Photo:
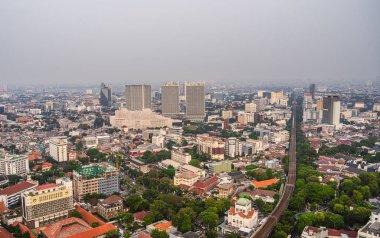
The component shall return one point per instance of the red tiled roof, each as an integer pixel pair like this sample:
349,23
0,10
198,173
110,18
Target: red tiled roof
206,183
265,183
338,233
140,215
249,214
46,186
88,217
24,229
66,227
143,235
3,208
16,188
5,234
95,232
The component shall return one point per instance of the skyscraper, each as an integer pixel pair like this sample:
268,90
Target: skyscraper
331,110
195,100
312,90
138,97
170,98
105,95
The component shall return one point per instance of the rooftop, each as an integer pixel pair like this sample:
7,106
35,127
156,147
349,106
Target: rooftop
17,188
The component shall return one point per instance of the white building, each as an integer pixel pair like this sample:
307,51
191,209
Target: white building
90,141
159,140
180,157
242,215
372,228
14,164
58,148
233,147
143,119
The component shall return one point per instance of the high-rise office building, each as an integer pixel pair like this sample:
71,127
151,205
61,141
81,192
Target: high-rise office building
170,98
331,110
96,178
105,95
138,97
195,100
312,90
58,148
47,203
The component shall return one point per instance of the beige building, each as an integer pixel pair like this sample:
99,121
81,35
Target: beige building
110,207
95,178
139,119
227,114
211,146
195,100
47,203
170,99
246,118
192,169
58,148
186,178
138,97
278,97
180,157
250,107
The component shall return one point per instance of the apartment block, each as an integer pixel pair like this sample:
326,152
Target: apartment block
212,146
14,164
95,178
58,148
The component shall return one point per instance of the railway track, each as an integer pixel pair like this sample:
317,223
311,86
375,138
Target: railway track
266,229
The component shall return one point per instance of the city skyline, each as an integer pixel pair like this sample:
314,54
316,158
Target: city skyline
250,42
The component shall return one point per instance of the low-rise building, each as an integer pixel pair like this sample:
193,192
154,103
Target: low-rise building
180,157
242,214
220,166
185,178
372,228
193,169
110,207
11,195
323,232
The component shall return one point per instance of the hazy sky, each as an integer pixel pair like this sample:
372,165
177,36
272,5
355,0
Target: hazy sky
248,41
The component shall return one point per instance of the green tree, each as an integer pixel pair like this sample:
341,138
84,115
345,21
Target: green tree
211,234
125,218
112,234
76,214
209,219
280,234
156,233
95,224
305,219
184,219
195,163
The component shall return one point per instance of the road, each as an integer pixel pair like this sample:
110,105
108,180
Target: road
265,230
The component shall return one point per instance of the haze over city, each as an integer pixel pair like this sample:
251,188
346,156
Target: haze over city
242,42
